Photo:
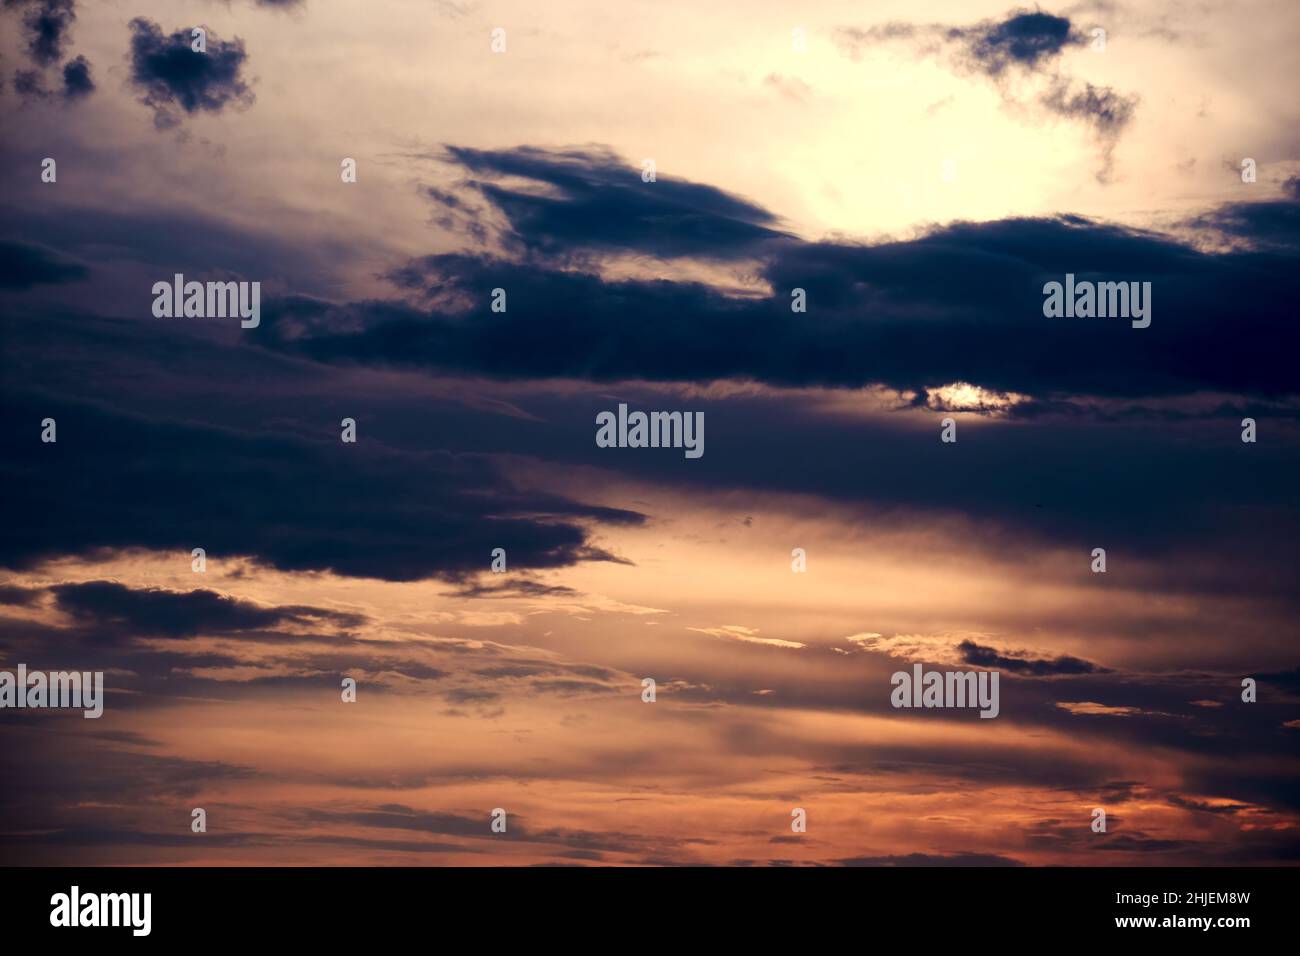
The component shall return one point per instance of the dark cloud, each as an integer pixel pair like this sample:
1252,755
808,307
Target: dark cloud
153,612
396,816
1135,843
961,303
1070,481
1105,109
932,859
595,202
1024,39
445,198
46,23
1226,809
1243,735
1019,662
154,673
1288,681
470,695
173,76
1272,781
1272,225
23,265
393,816
77,81
296,504
512,589
133,247
19,596
27,84
118,837
32,773
400,846
1100,107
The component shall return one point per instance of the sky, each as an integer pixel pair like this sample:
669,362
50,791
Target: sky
652,187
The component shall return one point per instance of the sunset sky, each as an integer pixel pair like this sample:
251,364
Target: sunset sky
919,170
